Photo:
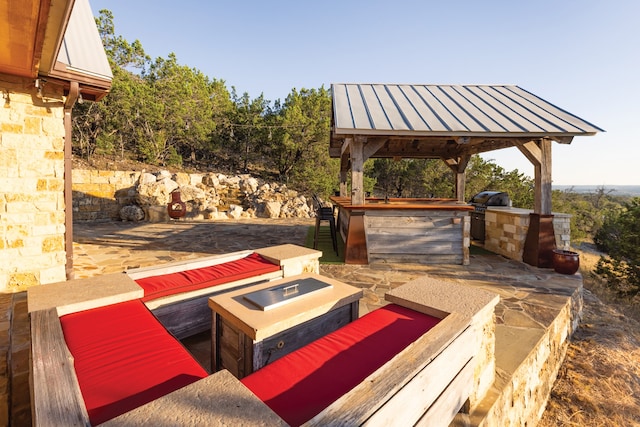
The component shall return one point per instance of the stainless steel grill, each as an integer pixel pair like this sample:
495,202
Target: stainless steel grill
480,202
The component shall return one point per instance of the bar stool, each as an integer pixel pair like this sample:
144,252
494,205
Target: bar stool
324,213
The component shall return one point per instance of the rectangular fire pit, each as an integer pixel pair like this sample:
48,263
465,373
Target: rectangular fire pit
251,327
275,296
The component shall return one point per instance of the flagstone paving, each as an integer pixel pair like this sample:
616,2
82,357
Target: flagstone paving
530,297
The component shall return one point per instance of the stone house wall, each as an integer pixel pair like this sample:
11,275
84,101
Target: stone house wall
32,215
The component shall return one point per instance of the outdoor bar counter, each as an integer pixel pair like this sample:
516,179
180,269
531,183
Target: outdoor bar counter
427,231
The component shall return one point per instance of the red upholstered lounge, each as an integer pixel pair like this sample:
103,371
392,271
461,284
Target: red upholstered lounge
125,358
301,384
191,280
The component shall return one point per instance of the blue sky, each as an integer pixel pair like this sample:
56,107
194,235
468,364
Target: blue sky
582,55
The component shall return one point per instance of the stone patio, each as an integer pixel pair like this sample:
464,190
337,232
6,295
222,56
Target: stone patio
535,303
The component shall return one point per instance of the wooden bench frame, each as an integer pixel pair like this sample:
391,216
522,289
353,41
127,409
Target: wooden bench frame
425,384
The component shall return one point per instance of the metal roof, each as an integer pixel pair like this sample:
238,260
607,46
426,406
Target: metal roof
82,49
449,110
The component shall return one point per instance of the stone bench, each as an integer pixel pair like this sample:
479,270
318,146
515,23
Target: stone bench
448,367
101,303
402,364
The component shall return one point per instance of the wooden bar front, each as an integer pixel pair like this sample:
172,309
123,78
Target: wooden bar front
428,231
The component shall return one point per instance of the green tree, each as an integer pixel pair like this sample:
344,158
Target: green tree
620,237
438,179
244,129
109,125
185,102
401,178
298,151
119,51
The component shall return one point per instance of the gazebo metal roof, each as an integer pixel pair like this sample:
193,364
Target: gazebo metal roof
449,122
450,110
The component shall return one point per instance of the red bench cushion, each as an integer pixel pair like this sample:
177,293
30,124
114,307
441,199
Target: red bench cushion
199,278
301,384
125,358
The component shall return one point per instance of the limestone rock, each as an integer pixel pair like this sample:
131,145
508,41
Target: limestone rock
272,209
191,192
155,194
132,213
211,180
182,178
146,178
235,211
249,185
163,174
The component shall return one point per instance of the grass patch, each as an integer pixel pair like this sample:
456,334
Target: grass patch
325,245
479,250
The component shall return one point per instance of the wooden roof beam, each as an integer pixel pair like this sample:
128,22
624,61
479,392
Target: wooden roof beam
562,139
372,147
346,146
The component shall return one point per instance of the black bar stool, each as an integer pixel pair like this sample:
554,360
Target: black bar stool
324,213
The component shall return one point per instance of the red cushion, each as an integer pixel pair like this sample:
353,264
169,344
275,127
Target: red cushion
125,358
191,280
301,384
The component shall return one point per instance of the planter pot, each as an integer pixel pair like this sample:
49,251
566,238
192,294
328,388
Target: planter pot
565,262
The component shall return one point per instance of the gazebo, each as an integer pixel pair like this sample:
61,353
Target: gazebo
447,122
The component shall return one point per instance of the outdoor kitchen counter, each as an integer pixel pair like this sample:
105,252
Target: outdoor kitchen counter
427,231
506,230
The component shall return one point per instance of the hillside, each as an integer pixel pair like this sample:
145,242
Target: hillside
599,381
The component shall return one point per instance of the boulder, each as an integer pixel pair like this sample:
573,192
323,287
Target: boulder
249,185
181,178
235,211
146,178
132,213
191,192
155,194
272,209
163,174
211,180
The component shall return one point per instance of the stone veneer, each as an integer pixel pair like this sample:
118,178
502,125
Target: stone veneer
99,195
32,211
506,231
521,399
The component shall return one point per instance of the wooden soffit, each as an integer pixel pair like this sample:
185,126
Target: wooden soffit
31,40
30,33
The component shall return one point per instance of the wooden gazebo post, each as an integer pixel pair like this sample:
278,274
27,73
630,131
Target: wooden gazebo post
458,166
357,170
540,241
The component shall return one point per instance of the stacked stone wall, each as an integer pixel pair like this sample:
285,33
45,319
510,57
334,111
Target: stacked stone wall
99,195
102,195
506,231
32,181
524,396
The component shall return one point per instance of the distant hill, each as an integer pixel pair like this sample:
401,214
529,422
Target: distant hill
618,190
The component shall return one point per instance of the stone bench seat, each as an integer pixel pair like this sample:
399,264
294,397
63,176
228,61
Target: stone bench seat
418,375
178,292
123,358
100,347
301,384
